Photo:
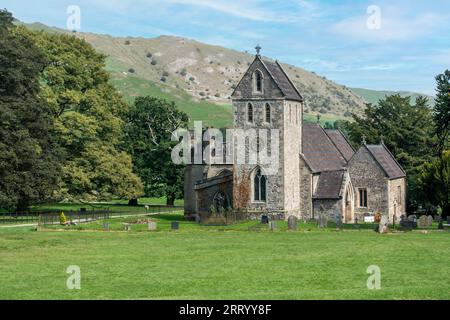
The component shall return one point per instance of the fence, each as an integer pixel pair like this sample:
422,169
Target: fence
83,214
73,216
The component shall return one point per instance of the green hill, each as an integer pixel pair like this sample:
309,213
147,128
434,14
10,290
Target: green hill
200,77
373,96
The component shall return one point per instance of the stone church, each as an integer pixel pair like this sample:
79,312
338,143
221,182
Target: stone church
318,171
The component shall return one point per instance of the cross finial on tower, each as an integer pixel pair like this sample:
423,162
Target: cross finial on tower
258,49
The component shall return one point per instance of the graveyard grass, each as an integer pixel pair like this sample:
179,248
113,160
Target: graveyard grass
200,262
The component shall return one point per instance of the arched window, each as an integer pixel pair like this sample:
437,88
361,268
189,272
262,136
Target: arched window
268,115
258,78
250,113
259,186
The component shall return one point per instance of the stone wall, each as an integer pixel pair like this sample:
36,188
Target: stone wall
329,207
397,202
192,174
305,190
366,173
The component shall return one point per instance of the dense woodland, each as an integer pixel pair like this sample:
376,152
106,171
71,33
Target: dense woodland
67,134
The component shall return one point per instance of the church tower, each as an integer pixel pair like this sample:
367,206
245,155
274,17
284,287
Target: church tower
267,101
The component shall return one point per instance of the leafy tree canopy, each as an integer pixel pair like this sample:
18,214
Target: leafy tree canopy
29,154
88,119
150,124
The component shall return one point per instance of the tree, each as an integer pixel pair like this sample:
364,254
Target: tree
88,114
442,110
407,130
150,124
435,182
29,155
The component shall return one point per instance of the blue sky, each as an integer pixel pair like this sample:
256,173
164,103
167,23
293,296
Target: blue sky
329,37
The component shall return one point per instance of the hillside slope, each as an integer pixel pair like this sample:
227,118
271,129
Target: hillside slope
200,77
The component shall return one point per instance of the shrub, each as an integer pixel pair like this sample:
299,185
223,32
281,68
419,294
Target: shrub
323,110
154,62
127,42
202,94
149,55
131,70
183,72
62,218
347,114
165,74
192,79
163,79
217,95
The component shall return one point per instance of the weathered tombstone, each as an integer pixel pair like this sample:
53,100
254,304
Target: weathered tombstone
338,220
175,225
152,226
440,225
264,219
127,227
106,226
292,223
412,218
383,227
423,222
430,220
272,225
323,221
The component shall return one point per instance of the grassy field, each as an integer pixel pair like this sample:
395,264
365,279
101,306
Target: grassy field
200,262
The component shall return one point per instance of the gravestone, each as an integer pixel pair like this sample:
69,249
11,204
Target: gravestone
405,224
292,223
383,227
264,219
430,220
413,219
175,225
152,226
440,225
127,227
272,225
423,222
106,226
338,219
323,221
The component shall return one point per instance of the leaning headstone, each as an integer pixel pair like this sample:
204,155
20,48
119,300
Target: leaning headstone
152,226
264,219
383,227
423,222
175,225
430,220
292,223
272,225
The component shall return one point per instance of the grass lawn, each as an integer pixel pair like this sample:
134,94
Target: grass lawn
199,262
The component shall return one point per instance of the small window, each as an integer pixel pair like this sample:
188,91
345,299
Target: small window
268,115
250,113
399,195
363,198
259,186
258,81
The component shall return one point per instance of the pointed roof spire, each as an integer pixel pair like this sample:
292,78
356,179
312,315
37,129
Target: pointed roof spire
258,49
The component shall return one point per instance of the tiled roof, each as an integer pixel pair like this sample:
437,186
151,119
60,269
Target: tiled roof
386,160
329,185
341,143
282,80
320,152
